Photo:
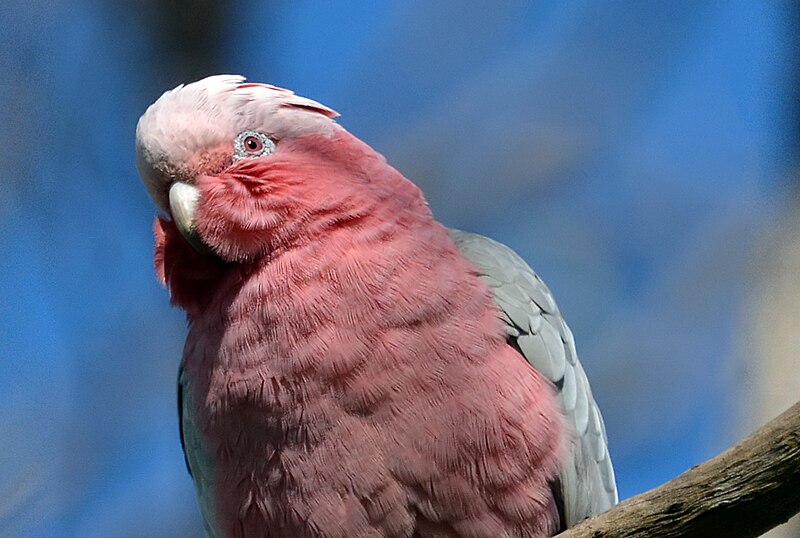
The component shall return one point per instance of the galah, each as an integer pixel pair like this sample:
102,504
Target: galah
352,367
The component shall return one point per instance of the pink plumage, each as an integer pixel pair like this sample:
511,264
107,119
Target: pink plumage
346,371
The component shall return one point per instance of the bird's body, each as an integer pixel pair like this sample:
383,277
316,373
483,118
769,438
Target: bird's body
350,370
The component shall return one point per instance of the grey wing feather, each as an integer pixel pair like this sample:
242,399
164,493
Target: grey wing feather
536,328
180,419
198,461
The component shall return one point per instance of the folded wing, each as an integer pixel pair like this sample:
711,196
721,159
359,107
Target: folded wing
536,328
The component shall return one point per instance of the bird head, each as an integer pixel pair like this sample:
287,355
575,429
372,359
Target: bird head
211,128
242,169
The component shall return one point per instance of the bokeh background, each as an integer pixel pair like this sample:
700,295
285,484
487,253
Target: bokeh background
642,156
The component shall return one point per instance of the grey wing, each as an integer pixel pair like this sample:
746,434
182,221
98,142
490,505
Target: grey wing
536,328
180,420
199,463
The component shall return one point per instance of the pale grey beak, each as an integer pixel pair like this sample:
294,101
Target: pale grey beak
183,199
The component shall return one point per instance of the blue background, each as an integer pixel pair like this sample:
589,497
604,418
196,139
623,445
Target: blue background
635,153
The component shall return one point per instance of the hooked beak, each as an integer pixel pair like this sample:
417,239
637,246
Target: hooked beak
183,199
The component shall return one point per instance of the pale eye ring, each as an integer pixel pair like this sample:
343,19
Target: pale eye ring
251,144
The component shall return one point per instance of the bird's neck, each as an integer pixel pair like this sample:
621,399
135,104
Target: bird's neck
272,312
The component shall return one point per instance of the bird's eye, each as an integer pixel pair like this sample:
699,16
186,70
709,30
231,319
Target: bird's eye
251,144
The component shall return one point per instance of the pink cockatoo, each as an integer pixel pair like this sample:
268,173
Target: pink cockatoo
353,368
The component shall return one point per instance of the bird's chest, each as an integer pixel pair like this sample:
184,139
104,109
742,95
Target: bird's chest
245,403
269,436
273,367
320,394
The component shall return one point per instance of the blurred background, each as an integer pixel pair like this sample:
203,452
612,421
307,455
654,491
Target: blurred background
642,156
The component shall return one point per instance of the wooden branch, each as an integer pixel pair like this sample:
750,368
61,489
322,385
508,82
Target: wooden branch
743,492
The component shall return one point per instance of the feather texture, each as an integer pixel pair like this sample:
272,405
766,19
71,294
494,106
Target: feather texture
354,381
347,371
536,327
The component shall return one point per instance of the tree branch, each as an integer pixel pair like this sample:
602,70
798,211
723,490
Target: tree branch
743,492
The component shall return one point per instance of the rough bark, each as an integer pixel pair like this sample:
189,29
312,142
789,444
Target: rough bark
743,492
